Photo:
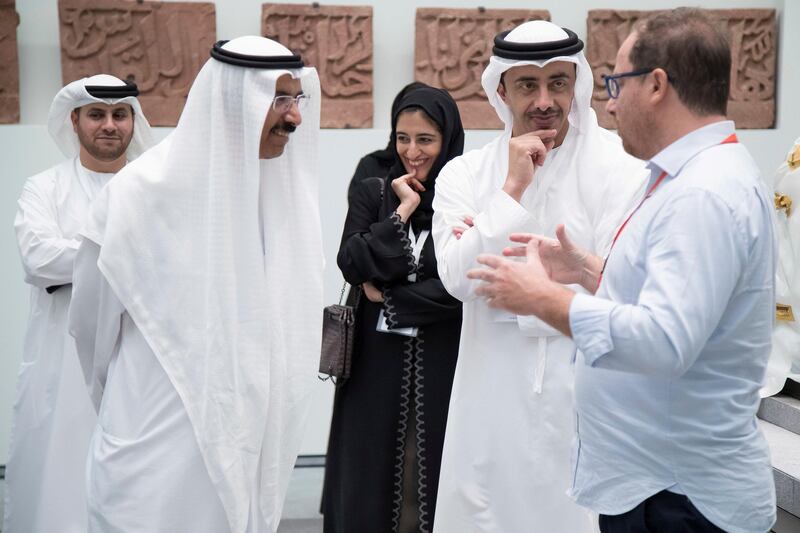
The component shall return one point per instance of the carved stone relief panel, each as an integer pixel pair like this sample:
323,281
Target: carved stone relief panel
752,34
337,40
159,45
9,63
452,49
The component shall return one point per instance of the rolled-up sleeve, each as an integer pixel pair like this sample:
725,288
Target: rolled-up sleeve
590,322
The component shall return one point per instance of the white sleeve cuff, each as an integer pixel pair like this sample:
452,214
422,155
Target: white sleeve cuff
590,323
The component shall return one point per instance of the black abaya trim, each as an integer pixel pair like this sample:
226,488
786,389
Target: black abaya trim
402,232
402,429
419,411
413,268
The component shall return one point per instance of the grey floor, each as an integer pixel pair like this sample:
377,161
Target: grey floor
301,511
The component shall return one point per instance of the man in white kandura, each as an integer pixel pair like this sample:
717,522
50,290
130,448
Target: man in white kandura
674,326
505,464
99,126
196,307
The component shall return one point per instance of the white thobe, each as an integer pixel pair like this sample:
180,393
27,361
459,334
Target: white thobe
506,458
53,418
145,471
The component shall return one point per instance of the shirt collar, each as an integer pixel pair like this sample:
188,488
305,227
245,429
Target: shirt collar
672,158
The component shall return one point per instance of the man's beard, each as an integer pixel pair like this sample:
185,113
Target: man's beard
633,133
104,153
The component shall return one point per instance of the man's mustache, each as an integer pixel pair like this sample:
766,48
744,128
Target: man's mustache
288,127
544,114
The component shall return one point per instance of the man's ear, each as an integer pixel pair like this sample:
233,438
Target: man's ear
501,91
659,85
74,117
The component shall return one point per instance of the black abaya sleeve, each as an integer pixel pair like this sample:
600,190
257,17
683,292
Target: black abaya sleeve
419,304
371,249
368,166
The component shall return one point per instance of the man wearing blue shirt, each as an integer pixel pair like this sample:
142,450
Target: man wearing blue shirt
674,343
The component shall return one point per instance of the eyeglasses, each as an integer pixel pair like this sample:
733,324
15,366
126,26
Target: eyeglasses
612,85
283,103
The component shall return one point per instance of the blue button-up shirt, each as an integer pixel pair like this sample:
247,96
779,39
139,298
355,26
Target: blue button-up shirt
674,345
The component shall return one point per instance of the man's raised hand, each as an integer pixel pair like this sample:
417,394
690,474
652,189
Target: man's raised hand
525,153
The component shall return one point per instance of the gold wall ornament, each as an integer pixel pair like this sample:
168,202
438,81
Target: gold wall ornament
784,312
783,201
794,158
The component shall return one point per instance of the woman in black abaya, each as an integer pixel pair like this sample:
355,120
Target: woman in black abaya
387,430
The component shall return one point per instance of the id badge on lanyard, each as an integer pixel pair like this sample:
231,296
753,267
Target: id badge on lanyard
417,242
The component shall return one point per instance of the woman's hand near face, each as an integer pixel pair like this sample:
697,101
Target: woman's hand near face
407,189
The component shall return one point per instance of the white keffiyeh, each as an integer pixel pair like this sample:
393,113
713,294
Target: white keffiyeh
75,95
183,233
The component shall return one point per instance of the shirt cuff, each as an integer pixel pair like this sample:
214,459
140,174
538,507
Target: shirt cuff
590,323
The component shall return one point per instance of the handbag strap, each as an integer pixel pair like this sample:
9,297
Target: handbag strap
343,300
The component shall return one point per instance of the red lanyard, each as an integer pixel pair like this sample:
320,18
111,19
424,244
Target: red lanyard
730,139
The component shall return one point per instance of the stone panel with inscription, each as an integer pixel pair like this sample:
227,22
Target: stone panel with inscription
452,49
159,45
9,63
753,36
337,40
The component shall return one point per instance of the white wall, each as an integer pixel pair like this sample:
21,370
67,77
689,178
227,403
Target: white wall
26,148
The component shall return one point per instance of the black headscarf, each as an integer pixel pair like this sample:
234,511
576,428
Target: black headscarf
441,109
387,154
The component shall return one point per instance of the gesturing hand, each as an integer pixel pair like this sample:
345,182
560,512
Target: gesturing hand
525,153
511,285
563,261
524,288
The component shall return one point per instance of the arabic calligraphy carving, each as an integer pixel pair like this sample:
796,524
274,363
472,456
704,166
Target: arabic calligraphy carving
337,40
453,48
159,45
752,33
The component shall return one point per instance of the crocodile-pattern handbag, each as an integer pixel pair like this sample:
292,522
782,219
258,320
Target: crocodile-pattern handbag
338,332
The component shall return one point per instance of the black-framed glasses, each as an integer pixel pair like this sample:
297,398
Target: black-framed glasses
283,103
612,85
